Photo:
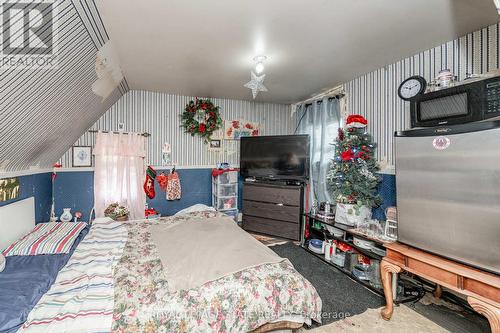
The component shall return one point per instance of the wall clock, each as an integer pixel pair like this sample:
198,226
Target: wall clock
412,87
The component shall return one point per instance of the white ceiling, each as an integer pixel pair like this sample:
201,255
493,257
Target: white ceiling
205,47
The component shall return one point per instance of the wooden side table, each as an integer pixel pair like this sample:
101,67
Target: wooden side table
481,288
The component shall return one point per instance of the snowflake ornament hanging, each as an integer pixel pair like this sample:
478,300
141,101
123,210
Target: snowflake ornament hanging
256,84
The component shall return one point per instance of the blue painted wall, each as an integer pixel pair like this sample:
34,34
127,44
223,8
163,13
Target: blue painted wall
387,191
75,190
39,186
196,187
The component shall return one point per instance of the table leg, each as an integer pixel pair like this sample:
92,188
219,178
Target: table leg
491,312
438,292
386,270
394,286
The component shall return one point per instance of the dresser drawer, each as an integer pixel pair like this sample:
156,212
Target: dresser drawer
271,227
272,211
275,194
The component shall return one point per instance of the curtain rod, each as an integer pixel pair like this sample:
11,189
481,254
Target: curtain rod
320,100
145,134
337,92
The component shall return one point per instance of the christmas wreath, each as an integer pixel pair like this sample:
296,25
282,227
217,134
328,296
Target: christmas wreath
201,117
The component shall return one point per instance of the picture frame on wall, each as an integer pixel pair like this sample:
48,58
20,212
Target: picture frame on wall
82,156
215,145
237,128
9,189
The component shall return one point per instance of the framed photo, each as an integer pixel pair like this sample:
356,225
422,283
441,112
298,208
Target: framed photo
82,156
9,189
215,145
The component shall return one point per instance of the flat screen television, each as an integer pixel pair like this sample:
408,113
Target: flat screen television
283,157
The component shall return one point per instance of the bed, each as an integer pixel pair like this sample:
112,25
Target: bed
117,280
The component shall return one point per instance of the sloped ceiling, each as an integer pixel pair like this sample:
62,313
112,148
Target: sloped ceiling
206,47
44,111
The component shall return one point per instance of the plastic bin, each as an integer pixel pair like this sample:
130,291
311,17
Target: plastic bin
229,177
226,203
225,190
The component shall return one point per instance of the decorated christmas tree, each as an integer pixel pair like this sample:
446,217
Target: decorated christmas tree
352,176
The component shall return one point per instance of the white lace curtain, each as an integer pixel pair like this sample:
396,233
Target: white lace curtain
321,120
119,172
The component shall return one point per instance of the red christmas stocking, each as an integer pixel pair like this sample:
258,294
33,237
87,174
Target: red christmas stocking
149,184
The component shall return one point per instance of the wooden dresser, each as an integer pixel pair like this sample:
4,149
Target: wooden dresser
273,209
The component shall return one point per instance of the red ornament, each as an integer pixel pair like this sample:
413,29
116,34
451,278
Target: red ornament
362,155
202,128
346,155
341,134
203,106
352,197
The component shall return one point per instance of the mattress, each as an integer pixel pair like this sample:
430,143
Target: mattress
23,282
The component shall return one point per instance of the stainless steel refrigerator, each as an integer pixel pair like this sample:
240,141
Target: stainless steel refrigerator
448,192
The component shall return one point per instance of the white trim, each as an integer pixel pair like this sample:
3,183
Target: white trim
390,170
163,167
75,169
156,167
10,174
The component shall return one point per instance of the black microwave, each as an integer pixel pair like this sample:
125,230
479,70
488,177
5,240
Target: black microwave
474,101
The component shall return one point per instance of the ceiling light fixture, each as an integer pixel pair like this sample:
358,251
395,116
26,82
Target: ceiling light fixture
259,66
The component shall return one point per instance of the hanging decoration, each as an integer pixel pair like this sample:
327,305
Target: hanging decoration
162,180
201,117
166,153
174,190
256,84
149,183
235,129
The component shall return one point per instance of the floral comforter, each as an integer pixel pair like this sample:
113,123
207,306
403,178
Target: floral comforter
240,302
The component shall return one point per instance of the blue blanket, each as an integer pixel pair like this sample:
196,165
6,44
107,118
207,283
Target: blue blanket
23,282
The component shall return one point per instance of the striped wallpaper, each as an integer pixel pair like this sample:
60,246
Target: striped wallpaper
374,95
44,111
159,115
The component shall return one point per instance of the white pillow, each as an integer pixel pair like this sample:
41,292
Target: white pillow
195,208
2,262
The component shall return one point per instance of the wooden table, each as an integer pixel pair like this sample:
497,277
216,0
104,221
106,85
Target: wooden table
481,288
